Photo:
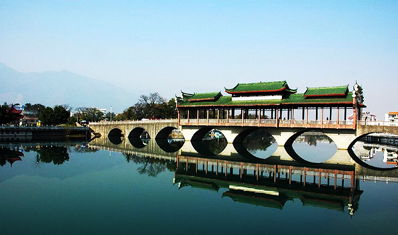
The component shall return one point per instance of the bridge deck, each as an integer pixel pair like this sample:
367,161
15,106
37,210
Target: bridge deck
132,122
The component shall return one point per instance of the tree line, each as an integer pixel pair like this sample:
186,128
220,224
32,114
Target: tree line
151,106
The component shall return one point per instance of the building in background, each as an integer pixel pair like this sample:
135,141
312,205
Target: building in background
391,117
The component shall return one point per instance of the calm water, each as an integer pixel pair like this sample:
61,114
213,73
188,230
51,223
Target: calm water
102,187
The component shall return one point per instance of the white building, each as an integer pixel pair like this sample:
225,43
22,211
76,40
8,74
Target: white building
103,110
391,117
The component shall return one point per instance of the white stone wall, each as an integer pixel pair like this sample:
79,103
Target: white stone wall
264,97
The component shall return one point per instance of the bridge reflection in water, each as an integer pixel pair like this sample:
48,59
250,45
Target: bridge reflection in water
234,172
270,182
272,185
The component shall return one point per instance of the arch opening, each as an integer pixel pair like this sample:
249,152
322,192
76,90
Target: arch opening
139,137
170,139
115,136
376,150
311,146
209,141
255,142
307,152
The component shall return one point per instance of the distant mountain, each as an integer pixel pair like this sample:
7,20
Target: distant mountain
51,88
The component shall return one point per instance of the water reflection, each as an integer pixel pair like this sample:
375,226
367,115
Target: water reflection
56,153
170,145
377,150
210,147
9,156
272,185
259,143
139,142
52,154
213,143
115,139
314,147
150,166
270,182
136,182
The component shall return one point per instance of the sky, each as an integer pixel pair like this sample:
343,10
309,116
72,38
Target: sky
202,46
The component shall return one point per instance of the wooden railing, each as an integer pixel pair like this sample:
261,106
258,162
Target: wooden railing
269,123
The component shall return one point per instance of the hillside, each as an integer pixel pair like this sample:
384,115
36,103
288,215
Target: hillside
61,87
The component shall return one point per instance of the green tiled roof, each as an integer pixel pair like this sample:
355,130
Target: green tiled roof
326,91
300,98
211,96
292,99
260,87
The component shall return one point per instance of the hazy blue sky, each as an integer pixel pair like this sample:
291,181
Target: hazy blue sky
168,46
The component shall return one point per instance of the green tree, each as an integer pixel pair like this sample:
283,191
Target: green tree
54,116
33,109
110,116
46,116
61,114
89,114
152,106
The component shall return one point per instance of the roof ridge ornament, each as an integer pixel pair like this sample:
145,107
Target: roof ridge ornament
358,93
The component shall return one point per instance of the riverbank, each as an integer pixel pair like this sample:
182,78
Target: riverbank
15,133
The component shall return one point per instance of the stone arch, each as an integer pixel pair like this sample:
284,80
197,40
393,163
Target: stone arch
115,132
243,134
358,160
163,142
201,148
136,133
361,136
165,146
135,137
199,134
294,136
115,136
197,141
289,145
238,143
343,139
165,132
365,165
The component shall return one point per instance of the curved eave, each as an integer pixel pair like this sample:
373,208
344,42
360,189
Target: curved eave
16,111
186,95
